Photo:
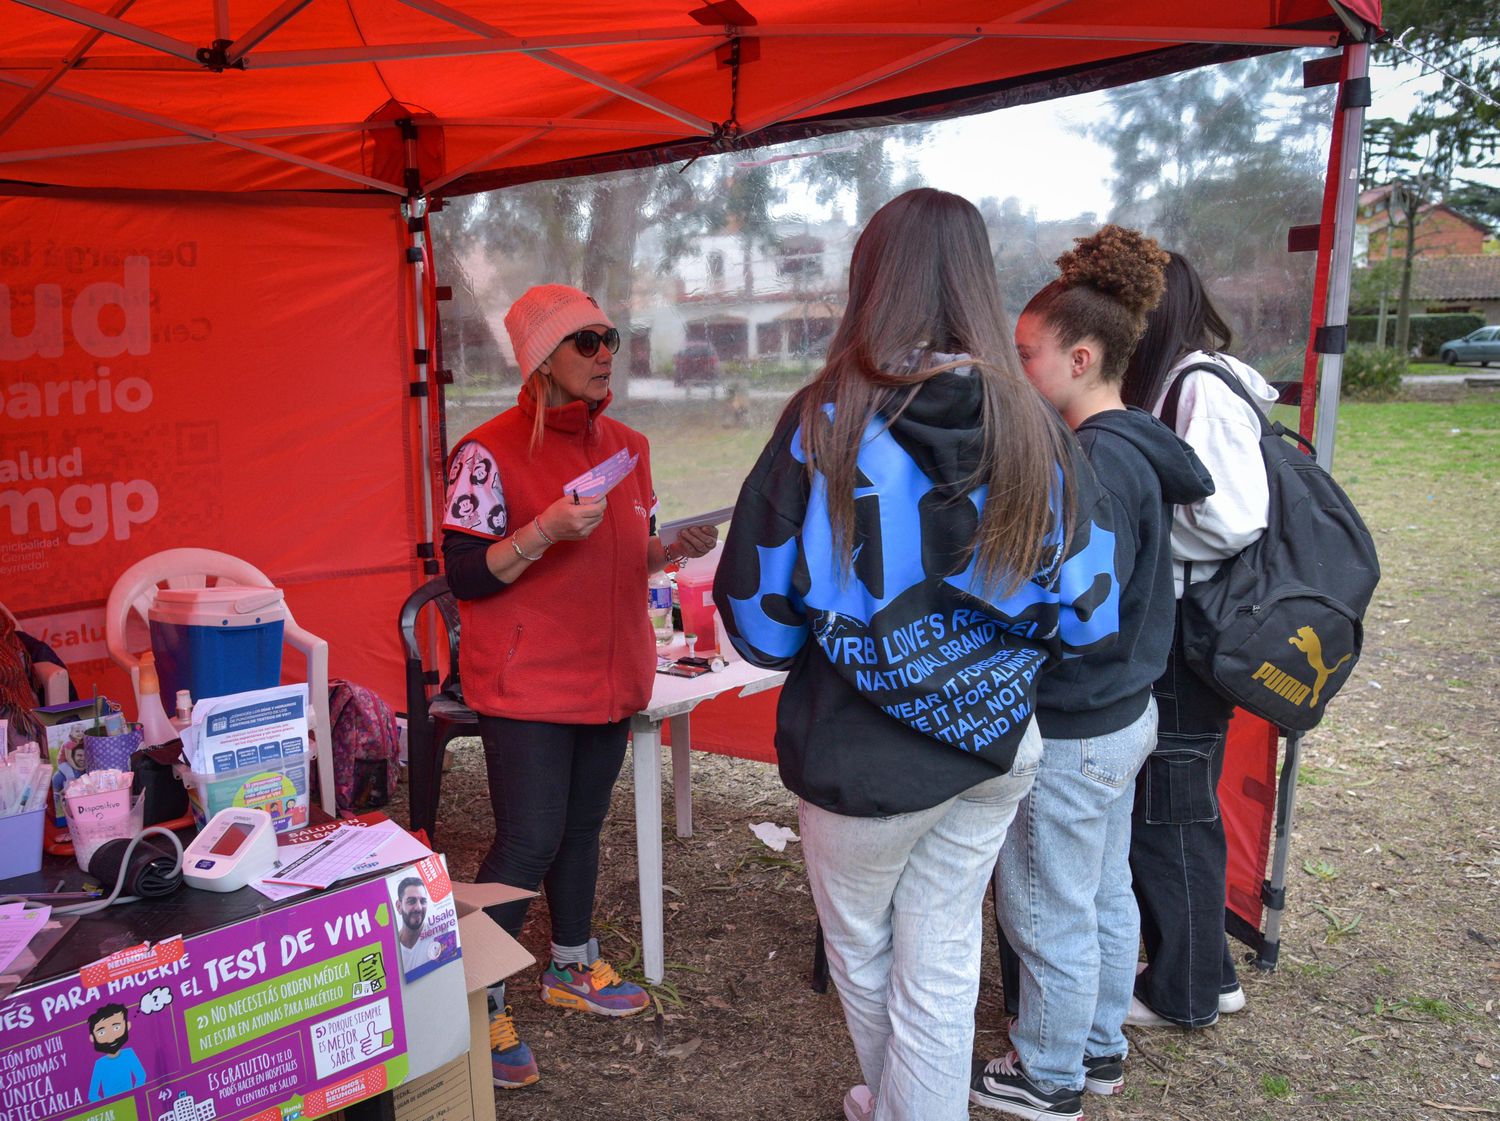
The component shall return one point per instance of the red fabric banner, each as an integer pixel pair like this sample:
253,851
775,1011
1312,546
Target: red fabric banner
221,374
1247,802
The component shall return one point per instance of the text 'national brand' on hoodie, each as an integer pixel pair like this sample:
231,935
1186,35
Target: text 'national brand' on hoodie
915,686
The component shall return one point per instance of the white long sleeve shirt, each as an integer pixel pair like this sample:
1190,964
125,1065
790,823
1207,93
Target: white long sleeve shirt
1226,435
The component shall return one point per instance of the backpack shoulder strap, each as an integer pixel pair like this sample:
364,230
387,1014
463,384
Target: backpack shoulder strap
1169,403
1228,379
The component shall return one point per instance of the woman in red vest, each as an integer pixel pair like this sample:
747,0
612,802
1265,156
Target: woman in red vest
557,649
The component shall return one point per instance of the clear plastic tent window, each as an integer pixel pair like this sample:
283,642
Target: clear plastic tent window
727,276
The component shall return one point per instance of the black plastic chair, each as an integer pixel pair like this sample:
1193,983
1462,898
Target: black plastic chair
432,719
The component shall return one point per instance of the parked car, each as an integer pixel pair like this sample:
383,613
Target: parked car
1481,346
696,363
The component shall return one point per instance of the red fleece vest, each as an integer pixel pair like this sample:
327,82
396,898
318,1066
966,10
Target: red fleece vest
569,642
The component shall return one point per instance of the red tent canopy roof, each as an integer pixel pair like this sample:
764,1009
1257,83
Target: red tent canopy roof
153,94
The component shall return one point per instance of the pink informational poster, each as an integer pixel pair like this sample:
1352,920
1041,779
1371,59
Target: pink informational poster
292,1014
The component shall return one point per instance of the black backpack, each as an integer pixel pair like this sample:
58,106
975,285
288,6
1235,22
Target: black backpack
1279,627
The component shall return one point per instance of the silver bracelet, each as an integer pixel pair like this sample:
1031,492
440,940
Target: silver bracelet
537,522
516,545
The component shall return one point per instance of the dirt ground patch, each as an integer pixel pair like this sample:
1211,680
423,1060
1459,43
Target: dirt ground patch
1385,1002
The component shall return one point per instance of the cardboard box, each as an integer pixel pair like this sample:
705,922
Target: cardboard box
463,1089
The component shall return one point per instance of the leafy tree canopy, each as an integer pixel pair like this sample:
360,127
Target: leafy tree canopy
1458,124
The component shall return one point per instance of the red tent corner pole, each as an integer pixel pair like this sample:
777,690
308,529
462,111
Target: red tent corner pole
1336,253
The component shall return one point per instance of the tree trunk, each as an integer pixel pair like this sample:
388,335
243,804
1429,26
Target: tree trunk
1403,304
609,258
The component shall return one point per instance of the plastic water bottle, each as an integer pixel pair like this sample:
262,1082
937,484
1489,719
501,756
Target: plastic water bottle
659,607
156,729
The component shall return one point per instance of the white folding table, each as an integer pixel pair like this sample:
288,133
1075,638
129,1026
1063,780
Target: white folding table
674,698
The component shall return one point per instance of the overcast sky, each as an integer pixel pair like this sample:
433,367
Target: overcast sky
1038,153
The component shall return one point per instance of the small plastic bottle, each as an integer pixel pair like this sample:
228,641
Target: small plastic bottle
659,607
156,729
184,715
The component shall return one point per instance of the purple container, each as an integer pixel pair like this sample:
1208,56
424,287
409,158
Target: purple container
111,753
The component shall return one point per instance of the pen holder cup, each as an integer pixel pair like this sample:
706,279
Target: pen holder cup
94,819
21,842
111,753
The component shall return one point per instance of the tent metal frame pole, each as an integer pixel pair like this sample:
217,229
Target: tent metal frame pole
415,208
568,66
203,133
1341,254
1273,893
57,73
130,32
107,64
644,79
179,141
590,124
246,42
1269,37
547,123
541,47
859,82
221,19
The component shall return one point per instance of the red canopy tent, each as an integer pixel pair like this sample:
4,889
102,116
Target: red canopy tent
218,297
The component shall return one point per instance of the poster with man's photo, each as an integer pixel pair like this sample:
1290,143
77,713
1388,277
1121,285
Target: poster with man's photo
426,918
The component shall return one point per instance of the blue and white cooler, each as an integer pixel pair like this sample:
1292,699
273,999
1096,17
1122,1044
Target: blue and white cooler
217,641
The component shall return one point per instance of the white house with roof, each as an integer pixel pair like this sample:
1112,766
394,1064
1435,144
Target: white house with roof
772,299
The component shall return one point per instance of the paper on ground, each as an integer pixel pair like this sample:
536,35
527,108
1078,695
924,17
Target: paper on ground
773,836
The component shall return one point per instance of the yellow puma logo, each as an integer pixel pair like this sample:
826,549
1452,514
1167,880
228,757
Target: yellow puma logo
1308,642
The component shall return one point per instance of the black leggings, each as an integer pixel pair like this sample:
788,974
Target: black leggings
550,786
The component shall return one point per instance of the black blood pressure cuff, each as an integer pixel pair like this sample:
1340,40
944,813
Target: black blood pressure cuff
154,870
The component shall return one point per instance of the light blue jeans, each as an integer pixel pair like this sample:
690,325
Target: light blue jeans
900,898
1062,891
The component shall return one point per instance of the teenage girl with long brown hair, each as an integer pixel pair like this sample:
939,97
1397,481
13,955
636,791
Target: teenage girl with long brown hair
923,517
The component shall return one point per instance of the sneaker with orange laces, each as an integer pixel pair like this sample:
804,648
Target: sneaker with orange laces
592,988
511,1063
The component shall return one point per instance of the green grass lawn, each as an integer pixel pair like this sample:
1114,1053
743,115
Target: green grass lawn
699,458
1449,442
1433,367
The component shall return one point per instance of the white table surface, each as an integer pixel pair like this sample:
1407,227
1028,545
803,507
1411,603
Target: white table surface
674,698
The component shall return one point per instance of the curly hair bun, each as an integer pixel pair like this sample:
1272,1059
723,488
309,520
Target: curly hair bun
1122,263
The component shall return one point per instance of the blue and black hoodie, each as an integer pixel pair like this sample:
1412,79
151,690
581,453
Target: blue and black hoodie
915,686
1145,468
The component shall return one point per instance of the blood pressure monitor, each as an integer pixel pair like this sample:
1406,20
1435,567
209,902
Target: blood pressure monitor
237,846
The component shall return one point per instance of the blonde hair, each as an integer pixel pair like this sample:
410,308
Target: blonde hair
534,383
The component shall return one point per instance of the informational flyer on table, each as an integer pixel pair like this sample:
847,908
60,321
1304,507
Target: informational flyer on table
292,1015
426,917
248,729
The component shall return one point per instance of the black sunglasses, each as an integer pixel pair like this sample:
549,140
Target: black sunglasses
587,341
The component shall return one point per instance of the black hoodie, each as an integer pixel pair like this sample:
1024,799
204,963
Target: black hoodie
915,687
1146,469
